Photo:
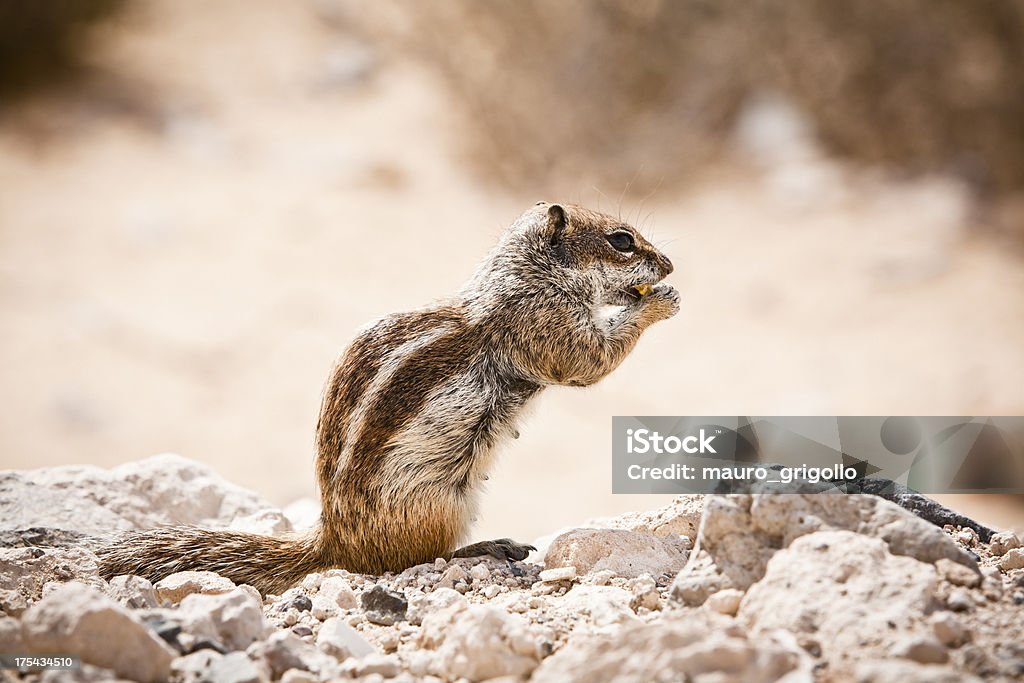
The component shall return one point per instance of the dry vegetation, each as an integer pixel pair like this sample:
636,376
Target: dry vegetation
591,88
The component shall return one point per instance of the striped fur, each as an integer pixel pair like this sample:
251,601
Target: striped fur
418,404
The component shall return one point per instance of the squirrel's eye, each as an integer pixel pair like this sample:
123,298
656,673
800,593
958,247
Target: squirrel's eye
622,241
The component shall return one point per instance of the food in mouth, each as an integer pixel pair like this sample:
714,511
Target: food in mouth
642,290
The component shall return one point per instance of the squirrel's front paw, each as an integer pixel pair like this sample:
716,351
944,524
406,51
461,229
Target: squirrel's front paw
664,299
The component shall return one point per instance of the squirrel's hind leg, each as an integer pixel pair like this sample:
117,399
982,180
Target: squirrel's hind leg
502,549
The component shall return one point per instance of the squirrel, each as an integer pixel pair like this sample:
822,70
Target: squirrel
416,406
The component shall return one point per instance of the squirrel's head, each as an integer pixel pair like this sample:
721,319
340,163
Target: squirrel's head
608,252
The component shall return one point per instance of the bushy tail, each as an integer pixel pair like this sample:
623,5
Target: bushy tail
269,564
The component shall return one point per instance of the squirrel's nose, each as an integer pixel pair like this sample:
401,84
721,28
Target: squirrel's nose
665,265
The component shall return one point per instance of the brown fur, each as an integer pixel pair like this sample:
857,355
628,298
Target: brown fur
418,403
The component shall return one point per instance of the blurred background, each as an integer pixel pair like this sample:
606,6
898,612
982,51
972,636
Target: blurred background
200,203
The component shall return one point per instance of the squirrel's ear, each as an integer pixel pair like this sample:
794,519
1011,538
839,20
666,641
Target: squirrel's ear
557,224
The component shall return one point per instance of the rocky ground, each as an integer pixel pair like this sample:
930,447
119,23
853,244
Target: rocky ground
741,588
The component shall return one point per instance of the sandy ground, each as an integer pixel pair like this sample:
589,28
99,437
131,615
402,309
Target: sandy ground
185,250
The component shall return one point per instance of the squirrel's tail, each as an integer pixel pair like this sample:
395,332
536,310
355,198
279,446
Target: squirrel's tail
269,564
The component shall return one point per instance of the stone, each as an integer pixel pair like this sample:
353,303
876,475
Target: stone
383,606
607,607
1003,541
322,607
10,635
922,649
905,671
338,590
681,517
134,592
725,601
452,575
373,664
339,639
627,553
741,532
645,593
236,667
233,619
26,570
298,676
479,642
12,602
689,648
284,650
948,629
175,587
960,600
492,591
195,667
163,489
558,574
267,522
438,599
957,574
300,603
1012,559
78,619
480,572
312,582
857,591
698,581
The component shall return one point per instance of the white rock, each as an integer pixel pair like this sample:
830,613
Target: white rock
725,601
175,587
298,676
742,532
135,592
339,639
645,593
284,650
849,589
323,607
558,574
268,522
452,575
338,590
422,605
905,671
236,617
80,620
195,667
492,591
687,647
960,600
236,667
627,553
163,489
26,570
1003,541
10,635
373,664
1012,559
923,649
312,582
606,606
948,629
480,572
479,642
681,517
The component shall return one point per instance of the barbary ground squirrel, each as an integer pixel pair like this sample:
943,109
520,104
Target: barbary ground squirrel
416,406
